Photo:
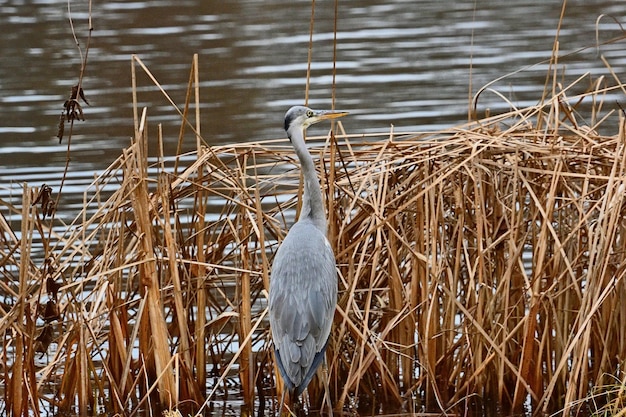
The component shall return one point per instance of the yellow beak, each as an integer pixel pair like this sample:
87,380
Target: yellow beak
328,114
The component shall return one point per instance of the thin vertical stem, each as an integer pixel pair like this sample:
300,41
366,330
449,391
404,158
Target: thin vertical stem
310,55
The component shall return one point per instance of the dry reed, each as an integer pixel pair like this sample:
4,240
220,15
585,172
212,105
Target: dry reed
479,265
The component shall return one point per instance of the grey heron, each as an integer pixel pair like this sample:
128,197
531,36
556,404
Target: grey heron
303,284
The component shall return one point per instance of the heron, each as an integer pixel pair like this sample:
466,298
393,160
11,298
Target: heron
303,283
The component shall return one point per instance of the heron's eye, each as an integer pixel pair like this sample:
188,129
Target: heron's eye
309,113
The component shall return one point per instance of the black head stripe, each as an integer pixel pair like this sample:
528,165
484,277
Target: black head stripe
292,114
288,119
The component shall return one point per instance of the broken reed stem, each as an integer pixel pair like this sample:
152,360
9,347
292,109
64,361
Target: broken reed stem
84,379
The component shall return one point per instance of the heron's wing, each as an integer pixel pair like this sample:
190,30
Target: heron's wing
303,297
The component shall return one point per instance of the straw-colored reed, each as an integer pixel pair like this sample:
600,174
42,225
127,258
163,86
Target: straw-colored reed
479,265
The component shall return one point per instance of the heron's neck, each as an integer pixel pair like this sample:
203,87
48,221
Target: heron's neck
312,204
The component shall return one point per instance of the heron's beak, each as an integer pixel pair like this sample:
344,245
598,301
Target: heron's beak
329,114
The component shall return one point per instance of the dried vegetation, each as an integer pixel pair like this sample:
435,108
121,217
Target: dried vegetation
479,265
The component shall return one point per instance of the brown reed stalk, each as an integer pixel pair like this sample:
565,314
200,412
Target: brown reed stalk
17,394
246,365
200,272
85,397
188,386
154,333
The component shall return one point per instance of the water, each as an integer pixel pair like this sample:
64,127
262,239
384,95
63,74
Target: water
404,63
399,62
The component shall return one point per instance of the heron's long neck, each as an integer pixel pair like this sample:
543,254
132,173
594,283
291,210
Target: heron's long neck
312,204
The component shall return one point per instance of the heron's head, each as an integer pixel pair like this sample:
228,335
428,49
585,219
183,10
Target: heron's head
301,117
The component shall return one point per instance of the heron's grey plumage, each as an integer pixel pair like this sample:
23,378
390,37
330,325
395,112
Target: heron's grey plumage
303,285
303,295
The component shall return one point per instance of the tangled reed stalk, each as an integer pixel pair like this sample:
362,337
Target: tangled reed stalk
478,265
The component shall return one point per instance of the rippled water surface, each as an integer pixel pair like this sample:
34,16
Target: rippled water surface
398,62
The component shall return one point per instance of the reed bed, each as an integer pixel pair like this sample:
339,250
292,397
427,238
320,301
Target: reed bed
479,266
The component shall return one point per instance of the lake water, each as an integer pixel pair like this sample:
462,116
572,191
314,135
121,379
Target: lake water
400,62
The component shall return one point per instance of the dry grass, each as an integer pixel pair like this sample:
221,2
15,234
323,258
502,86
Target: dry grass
479,265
